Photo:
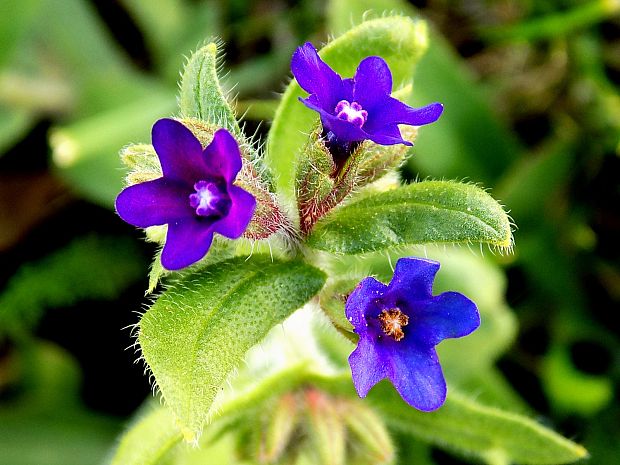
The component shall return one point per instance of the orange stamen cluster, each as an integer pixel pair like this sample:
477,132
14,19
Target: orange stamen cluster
392,322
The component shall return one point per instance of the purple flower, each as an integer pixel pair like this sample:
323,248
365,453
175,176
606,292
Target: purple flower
399,326
357,108
195,197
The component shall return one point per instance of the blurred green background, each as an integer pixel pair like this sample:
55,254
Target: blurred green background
532,113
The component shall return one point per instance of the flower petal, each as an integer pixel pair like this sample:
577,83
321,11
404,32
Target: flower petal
316,77
417,376
236,221
222,156
413,280
392,111
360,303
155,202
447,315
373,82
367,366
179,152
388,135
186,242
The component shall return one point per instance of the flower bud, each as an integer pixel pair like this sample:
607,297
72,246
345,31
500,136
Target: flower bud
326,429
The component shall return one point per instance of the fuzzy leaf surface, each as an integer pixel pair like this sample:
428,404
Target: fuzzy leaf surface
419,213
201,95
399,40
198,331
468,427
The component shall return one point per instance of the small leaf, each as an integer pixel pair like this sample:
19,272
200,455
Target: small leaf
472,428
201,95
420,213
399,40
198,331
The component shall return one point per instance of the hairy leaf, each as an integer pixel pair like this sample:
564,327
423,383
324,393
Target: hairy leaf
198,331
420,213
201,95
471,428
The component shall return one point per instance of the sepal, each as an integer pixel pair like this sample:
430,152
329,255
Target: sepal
324,180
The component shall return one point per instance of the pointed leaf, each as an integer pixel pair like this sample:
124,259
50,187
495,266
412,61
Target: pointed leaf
201,95
198,331
471,428
293,121
420,213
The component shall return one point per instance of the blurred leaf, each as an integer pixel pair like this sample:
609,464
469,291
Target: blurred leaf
86,152
529,184
149,440
554,25
570,390
419,213
45,426
173,27
197,331
15,21
88,268
469,140
201,95
474,429
257,110
13,126
400,41
83,44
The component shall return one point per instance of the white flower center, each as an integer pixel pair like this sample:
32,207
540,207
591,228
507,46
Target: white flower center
351,112
206,198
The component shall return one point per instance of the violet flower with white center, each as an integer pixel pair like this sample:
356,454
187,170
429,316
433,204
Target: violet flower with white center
358,108
399,326
195,196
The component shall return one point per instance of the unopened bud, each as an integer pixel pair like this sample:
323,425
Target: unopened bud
367,431
326,429
142,162
278,431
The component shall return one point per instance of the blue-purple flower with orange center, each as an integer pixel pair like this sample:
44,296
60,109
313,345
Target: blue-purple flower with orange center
357,108
399,326
195,196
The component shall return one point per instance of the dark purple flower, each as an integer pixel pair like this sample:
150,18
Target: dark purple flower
357,108
399,326
195,197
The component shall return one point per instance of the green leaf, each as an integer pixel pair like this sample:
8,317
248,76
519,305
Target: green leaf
469,139
149,440
399,40
88,268
198,331
471,428
85,153
201,94
13,126
419,213
15,21
45,423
